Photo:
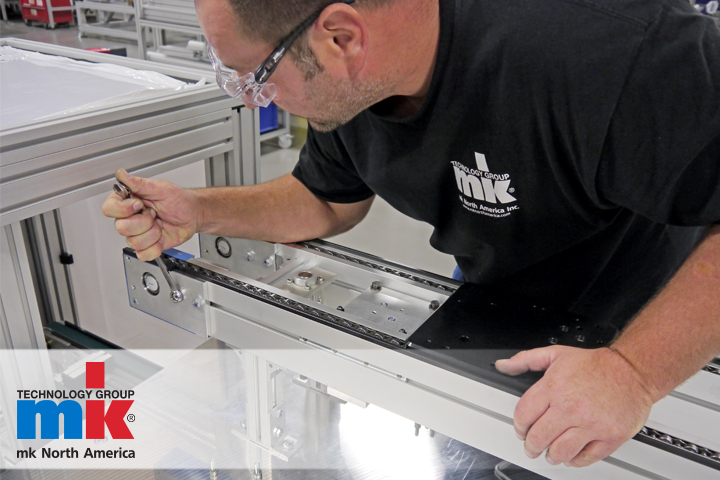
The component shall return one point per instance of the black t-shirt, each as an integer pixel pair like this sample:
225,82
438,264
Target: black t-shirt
568,150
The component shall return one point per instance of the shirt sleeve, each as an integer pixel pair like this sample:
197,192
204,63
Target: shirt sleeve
327,170
661,156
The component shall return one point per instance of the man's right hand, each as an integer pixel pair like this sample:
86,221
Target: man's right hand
158,215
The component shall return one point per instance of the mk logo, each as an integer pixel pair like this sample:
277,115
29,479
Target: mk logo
480,184
96,416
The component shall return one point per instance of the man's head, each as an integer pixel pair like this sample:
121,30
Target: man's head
335,69
271,21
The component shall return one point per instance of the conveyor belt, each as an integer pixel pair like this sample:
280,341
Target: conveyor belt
467,334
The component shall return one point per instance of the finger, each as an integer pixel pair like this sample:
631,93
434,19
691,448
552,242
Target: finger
593,451
568,445
146,240
532,405
141,187
538,359
115,207
137,224
152,252
551,424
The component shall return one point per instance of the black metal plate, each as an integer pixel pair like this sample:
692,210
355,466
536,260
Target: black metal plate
477,326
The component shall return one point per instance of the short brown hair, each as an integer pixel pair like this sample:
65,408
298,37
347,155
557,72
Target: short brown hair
271,21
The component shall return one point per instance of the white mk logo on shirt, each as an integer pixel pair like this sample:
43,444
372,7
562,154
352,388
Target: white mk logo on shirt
482,185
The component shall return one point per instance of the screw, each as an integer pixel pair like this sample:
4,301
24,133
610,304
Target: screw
289,281
392,319
384,304
127,258
320,279
279,414
402,330
198,302
341,308
269,262
375,286
288,444
250,256
307,288
134,300
580,338
434,305
132,287
277,432
564,328
553,340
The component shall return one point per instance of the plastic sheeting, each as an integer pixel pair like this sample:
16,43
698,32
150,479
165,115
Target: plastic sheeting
35,86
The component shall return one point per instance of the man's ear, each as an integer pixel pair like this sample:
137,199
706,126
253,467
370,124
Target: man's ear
339,38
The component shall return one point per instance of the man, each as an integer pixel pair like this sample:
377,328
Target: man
567,150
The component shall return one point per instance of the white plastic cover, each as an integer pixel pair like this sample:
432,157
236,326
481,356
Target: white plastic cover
36,86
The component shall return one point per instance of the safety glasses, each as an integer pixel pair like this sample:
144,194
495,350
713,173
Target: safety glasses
253,87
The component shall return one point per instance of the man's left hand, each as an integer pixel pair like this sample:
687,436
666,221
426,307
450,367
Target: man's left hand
588,403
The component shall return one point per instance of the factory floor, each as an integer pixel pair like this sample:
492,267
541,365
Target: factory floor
384,232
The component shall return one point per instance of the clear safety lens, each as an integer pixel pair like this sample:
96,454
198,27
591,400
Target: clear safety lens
260,95
246,86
